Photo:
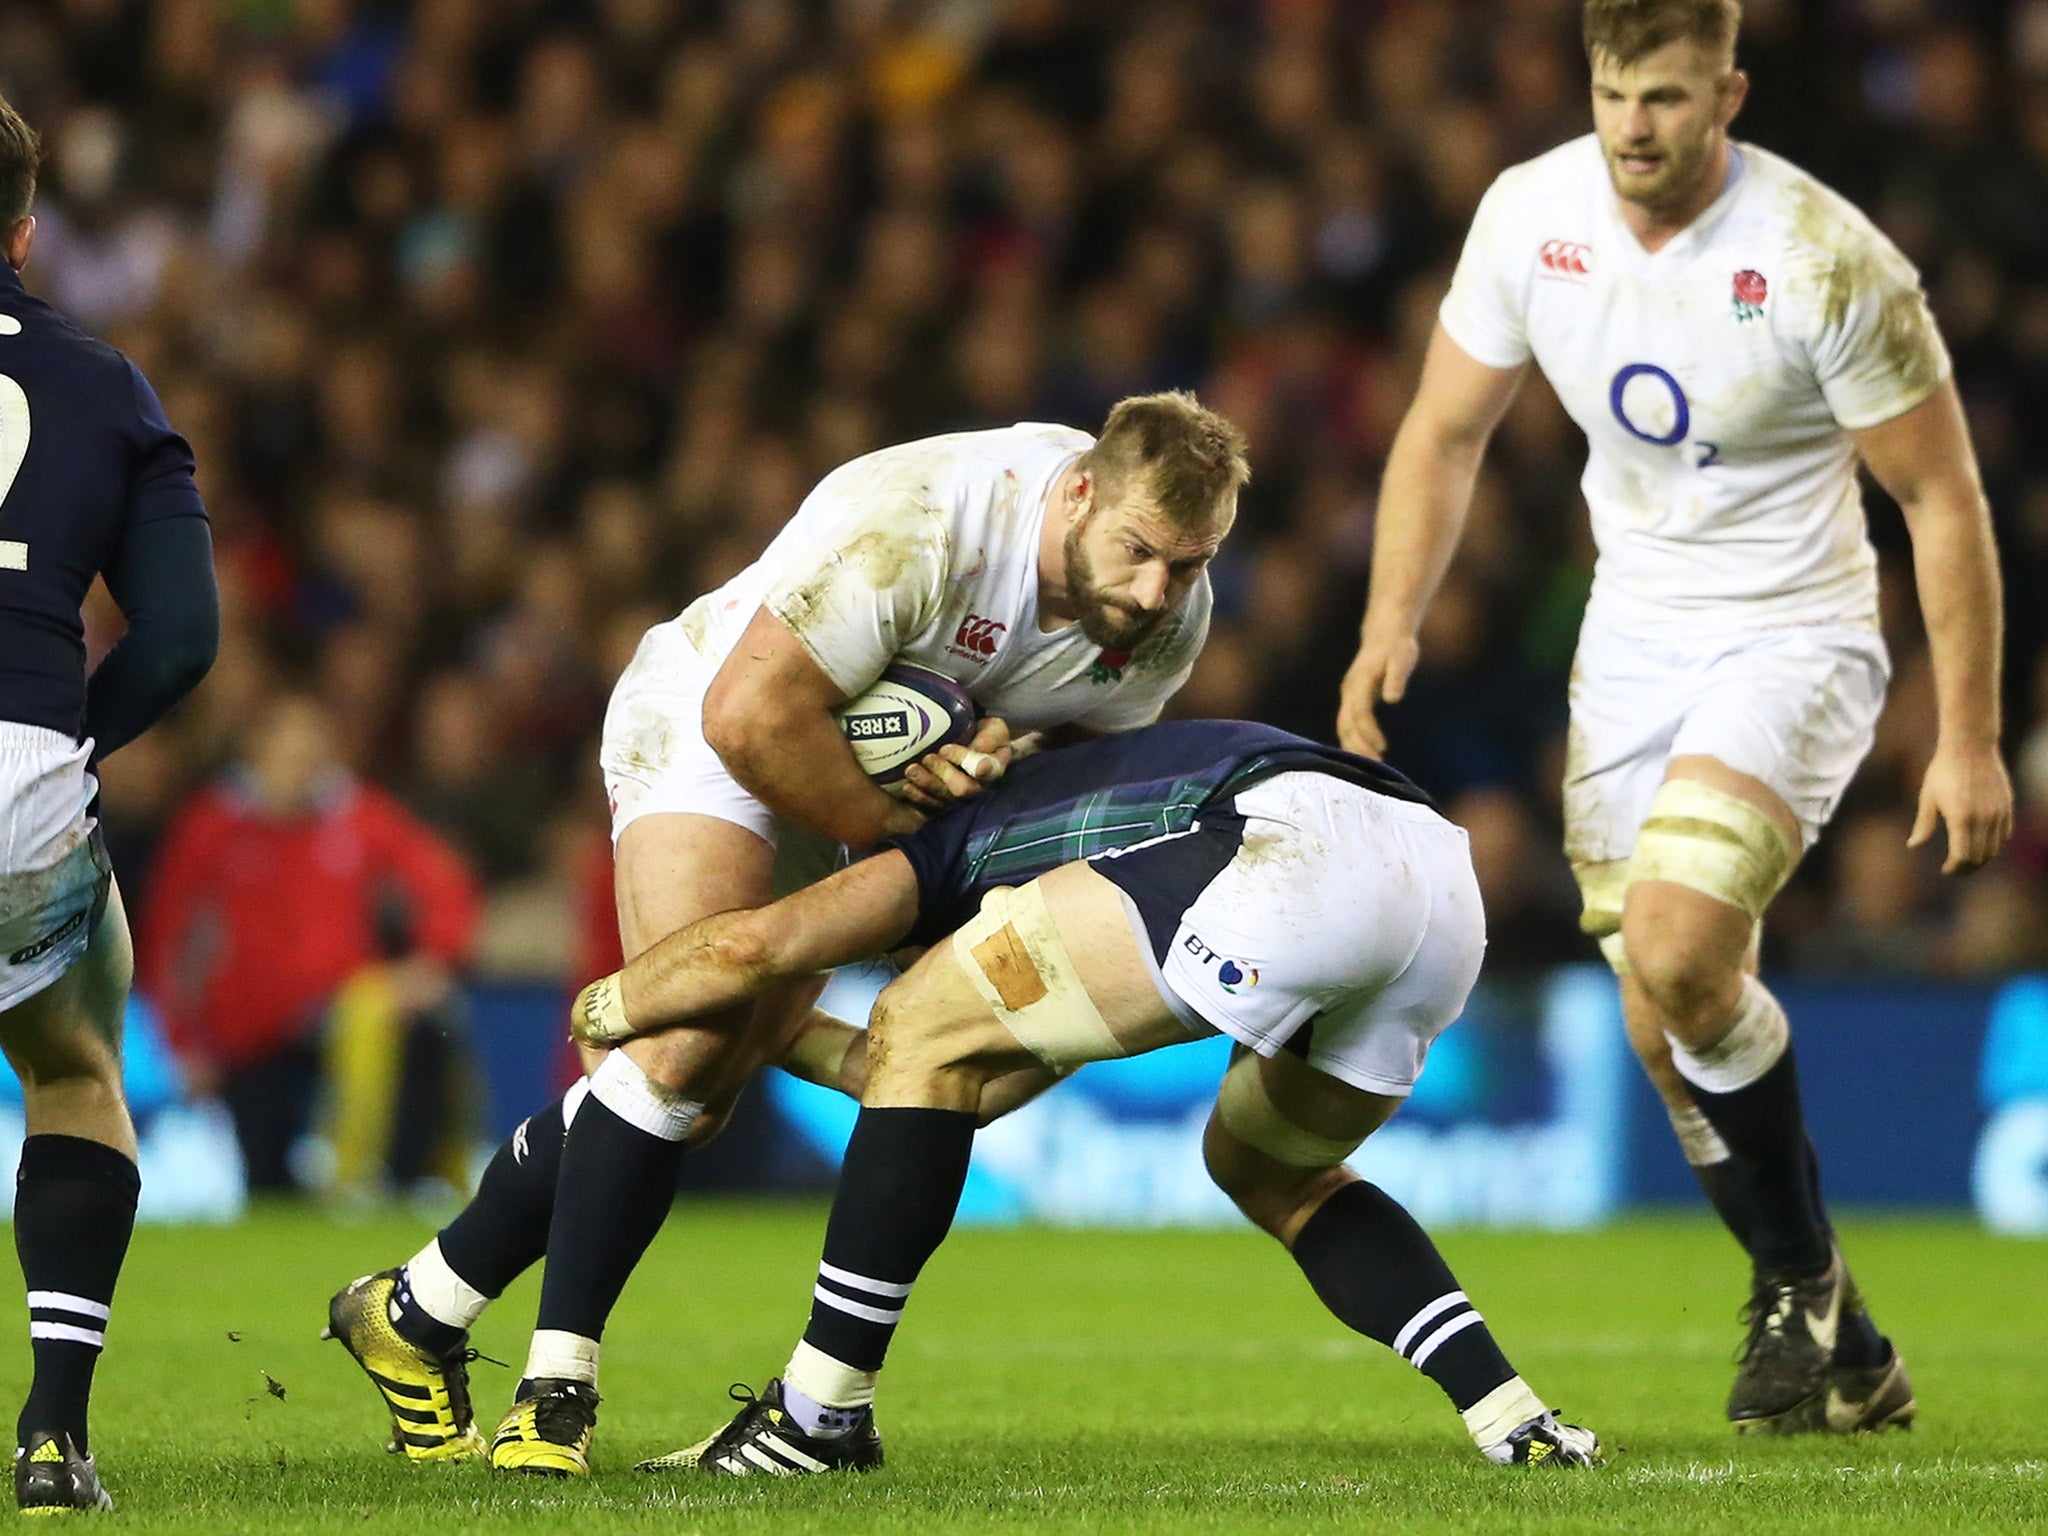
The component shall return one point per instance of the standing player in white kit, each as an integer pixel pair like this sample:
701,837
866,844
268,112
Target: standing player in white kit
1059,578
1733,338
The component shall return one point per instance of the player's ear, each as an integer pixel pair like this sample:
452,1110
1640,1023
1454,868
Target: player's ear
19,239
1730,94
1080,497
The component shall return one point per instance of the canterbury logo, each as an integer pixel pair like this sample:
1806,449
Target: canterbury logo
1565,258
977,638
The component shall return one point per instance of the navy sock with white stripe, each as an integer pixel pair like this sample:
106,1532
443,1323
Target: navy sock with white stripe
74,1210
1379,1273
898,1189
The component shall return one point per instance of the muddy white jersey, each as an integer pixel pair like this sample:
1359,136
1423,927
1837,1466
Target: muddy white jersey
1716,380
928,553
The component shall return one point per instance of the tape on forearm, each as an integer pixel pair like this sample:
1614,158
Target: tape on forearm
599,1014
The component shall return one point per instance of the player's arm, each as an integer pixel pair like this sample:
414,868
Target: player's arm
1923,459
160,575
161,578
768,716
1424,497
860,912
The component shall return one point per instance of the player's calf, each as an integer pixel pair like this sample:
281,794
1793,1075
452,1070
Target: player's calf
74,1205
1276,1145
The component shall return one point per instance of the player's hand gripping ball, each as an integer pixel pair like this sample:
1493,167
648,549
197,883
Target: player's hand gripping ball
910,712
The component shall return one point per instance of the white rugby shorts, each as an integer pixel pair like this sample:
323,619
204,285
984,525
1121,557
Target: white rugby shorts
656,760
52,871
1796,707
1345,927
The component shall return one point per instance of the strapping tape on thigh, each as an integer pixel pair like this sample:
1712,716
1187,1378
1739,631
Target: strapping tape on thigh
1602,889
1715,843
1013,954
1248,1112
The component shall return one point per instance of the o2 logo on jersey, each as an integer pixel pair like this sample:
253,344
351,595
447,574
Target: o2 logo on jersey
1230,976
1651,405
1649,402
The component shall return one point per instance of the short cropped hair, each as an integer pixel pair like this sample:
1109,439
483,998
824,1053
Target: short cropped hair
21,152
1628,31
1190,459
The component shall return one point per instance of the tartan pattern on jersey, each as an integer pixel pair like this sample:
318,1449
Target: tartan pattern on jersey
1012,852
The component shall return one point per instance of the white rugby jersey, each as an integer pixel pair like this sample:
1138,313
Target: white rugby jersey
928,553
1714,380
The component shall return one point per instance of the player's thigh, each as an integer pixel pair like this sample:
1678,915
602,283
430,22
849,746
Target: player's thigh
1627,701
1050,975
1280,1133
1796,710
71,1029
1716,848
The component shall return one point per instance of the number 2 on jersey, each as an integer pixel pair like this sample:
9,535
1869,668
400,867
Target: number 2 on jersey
13,449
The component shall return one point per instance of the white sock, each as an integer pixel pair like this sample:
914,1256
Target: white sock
563,1356
1501,1412
830,1394
440,1292
622,1087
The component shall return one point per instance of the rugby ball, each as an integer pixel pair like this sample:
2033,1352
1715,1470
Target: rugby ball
910,711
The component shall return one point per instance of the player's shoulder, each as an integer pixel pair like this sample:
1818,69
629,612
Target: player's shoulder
1814,228
1563,171
925,469
1829,250
55,333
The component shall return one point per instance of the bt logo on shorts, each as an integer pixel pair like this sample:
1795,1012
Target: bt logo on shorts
977,638
1565,259
1230,975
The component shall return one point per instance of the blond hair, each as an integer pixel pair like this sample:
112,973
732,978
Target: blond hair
1628,31
1190,459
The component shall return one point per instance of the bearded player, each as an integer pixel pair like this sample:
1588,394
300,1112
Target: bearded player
1060,579
1734,339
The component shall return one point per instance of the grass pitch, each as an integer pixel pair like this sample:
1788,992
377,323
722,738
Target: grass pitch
1087,1382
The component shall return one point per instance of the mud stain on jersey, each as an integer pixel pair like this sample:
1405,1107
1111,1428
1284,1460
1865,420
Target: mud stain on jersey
1852,262
696,625
878,557
644,748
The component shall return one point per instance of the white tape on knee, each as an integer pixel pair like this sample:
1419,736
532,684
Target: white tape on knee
622,1087
1013,955
1248,1112
1752,1046
1715,843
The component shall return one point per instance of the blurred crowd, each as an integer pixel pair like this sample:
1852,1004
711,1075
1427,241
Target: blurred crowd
502,328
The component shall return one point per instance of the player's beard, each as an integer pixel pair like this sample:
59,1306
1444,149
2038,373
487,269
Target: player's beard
1112,625
1679,169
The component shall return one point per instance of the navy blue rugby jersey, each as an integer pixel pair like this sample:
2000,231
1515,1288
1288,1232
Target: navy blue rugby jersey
1055,807
86,458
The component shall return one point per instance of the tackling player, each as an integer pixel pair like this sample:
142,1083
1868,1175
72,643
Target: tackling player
1107,900
93,482
1059,578
1733,338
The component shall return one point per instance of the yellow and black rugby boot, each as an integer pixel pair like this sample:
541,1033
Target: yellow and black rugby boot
548,1430
427,1393
51,1477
